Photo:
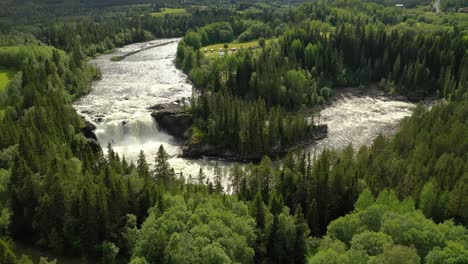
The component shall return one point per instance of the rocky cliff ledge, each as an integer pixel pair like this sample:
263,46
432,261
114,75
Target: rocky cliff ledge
195,151
173,119
88,132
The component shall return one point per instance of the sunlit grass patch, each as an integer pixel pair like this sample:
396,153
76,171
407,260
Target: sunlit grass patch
172,11
237,45
6,75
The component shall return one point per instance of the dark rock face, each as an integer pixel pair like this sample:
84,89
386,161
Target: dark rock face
88,130
195,151
320,132
173,119
205,150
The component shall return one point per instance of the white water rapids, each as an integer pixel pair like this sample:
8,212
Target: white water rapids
118,103
118,106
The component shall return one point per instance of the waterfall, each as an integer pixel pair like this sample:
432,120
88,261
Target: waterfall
129,132
118,106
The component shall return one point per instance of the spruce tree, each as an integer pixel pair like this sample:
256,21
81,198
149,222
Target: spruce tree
162,168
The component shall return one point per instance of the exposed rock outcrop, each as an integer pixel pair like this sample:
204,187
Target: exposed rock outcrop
195,151
173,119
320,132
88,130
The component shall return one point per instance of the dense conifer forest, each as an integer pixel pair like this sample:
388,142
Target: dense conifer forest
402,199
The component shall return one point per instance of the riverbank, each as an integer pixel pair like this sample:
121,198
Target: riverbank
122,57
175,119
119,106
353,115
197,151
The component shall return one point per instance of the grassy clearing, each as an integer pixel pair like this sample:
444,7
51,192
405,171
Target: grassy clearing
6,75
237,45
422,27
172,11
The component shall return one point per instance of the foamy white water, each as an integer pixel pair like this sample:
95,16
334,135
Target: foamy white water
359,119
118,105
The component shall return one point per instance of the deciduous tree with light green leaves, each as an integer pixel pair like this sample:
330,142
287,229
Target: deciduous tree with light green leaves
199,230
387,230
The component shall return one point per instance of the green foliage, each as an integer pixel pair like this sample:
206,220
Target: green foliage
199,230
453,252
399,254
109,252
249,129
59,192
62,194
400,225
138,260
193,39
5,77
43,260
162,168
219,32
6,254
365,200
4,197
371,242
255,31
309,59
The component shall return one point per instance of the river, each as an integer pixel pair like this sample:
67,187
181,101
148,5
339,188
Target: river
118,106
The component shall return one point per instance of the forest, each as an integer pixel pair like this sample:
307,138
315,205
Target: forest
308,60
402,199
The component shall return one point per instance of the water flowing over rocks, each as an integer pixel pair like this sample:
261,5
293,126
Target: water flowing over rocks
120,107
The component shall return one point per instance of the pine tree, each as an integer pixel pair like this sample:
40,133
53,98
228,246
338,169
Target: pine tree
142,166
302,232
88,221
162,168
396,68
201,177
235,178
313,218
218,178
259,211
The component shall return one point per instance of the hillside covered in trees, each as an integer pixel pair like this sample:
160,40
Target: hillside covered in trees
403,199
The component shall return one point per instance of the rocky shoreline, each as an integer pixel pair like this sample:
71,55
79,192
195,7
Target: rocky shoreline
175,120
205,150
